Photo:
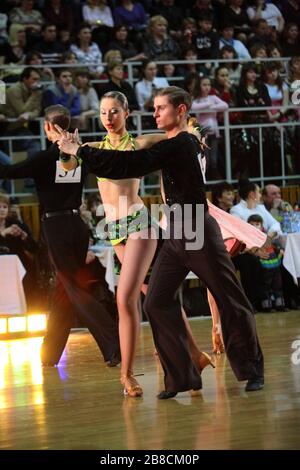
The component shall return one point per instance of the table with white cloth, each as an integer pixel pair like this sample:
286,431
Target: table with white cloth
291,259
12,296
105,254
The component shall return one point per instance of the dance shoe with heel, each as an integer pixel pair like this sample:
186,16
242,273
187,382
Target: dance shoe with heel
203,361
131,385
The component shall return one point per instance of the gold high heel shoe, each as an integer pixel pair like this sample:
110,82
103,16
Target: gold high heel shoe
131,385
218,346
203,361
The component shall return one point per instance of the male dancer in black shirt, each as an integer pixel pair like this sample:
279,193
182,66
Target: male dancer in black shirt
183,178
67,238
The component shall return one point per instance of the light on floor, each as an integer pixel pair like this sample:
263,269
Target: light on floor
16,324
3,326
37,322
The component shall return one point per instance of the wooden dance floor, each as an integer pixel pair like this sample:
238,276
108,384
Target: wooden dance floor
79,405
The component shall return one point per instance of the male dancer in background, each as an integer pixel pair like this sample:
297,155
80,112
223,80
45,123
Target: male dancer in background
179,158
67,239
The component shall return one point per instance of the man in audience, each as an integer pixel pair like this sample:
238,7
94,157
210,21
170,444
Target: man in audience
24,104
63,92
271,195
50,49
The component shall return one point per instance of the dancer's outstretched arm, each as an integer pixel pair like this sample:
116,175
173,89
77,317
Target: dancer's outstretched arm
116,164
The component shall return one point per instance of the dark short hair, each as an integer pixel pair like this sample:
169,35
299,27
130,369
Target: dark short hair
48,25
246,187
176,96
206,16
27,72
255,218
58,114
218,190
58,71
30,55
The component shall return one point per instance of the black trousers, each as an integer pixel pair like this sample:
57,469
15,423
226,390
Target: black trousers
77,292
213,266
251,277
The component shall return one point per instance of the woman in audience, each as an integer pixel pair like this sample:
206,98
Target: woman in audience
26,16
17,239
120,42
16,48
115,72
204,101
279,95
225,90
235,14
275,52
158,44
277,89
291,40
234,68
132,15
191,82
189,54
97,14
250,93
145,87
87,51
222,196
259,9
89,102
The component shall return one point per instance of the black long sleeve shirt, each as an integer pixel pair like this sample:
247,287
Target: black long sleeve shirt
178,158
53,192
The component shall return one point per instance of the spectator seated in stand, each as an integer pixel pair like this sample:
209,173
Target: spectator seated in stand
49,47
89,101
272,293
223,196
63,92
17,239
115,71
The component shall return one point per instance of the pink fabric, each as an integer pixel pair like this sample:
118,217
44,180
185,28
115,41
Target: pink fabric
233,228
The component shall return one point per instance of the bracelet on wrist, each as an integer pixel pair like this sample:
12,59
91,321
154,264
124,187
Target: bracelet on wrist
64,157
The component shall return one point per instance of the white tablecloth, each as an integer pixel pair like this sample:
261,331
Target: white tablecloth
12,297
291,259
105,254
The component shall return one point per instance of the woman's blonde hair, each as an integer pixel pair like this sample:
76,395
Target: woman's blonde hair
13,33
157,19
113,55
4,199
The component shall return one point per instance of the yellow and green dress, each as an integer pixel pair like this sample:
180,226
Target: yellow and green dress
119,230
